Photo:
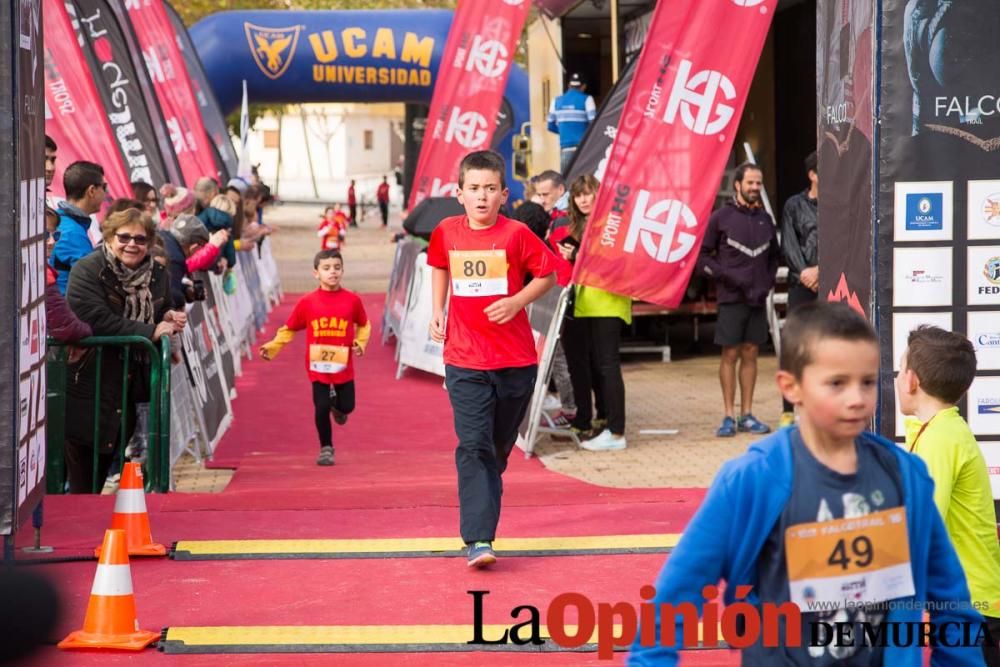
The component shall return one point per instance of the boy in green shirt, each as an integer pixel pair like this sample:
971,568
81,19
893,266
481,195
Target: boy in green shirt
935,372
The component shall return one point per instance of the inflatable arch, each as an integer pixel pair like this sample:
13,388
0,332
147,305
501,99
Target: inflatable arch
339,56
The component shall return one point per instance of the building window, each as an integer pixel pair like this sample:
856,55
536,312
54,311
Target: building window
272,139
369,140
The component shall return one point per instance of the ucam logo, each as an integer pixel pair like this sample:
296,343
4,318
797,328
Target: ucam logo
272,48
489,57
673,243
467,128
696,97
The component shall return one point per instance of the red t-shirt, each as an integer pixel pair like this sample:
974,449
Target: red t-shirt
490,264
564,268
330,319
350,195
383,192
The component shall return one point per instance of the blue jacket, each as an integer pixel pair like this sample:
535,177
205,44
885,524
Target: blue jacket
569,115
73,245
725,537
215,220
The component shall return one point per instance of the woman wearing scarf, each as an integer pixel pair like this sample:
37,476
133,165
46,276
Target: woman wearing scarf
119,291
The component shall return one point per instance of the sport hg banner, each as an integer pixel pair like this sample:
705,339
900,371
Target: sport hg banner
675,135
846,125
71,98
166,68
938,257
118,83
477,59
211,115
591,157
22,256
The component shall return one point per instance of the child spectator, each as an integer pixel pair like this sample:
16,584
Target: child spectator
767,520
332,228
489,350
62,323
934,374
335,323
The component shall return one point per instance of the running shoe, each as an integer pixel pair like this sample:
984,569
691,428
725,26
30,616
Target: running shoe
481,555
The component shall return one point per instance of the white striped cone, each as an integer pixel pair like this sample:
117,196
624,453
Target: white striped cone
130,514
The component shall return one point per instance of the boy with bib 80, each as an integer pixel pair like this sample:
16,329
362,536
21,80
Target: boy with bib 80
836,520
483,257
336,323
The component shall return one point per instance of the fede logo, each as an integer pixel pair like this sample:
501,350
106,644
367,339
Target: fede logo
488,57
468,128
663,239
696,97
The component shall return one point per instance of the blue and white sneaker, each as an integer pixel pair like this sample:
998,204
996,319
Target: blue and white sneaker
750,424
728,428
481,555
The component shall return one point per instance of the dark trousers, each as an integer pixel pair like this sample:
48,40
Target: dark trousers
353,210
591,345
325,397
488,406
797,295
80,467
383,208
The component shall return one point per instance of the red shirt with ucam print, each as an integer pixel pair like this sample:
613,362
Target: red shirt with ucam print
330,318
484,266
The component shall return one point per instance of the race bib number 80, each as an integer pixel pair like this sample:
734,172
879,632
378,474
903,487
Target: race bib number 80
478,272
849,562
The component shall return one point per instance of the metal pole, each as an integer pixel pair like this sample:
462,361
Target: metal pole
614,41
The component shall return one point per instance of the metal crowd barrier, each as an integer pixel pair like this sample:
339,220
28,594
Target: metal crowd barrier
156,469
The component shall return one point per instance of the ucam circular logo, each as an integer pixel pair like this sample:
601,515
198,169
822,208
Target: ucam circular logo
673,243
924,206
489,57
697,98
466,127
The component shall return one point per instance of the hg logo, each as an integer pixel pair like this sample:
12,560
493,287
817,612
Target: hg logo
272,48
645,226
467,128
697,107
489,57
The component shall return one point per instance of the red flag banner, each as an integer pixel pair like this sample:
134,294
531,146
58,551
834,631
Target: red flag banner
468,91
74,115
173,88
675,134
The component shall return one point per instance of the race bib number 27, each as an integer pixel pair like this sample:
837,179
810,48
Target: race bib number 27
478,272
328,358
849,562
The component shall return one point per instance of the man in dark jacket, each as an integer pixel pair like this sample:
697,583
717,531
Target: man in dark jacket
740,251
800,244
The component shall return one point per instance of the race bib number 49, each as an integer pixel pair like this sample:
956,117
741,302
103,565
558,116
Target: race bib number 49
328,358
478,272
849,562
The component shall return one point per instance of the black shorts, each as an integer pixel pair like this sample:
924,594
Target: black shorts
738,323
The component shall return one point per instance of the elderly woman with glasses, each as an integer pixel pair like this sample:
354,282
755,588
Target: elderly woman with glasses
119,291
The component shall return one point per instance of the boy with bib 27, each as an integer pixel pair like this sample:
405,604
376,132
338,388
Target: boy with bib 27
490,361
335,323
837,521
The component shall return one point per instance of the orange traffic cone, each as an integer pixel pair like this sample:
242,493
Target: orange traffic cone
130,515
110,621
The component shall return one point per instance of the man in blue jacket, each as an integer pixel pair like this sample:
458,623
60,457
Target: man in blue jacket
569,116
839,522
86,190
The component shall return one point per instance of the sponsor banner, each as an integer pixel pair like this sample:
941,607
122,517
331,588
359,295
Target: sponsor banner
675,135
904,323
118,81
70,100
983,210
208,107
416,349
204,364
991,452
477,60
591,156
219,328
168,71
922,277
846,127
399,286
923,211
22,238
983,276
983,329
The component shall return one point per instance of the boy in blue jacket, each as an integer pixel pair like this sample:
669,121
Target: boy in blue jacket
838,521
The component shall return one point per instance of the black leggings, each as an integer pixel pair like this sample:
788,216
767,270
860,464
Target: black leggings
591,345
325,397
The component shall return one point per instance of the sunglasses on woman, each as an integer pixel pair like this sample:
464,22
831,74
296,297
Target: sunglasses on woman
125,239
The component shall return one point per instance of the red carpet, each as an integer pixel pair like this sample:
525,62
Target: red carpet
394,477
